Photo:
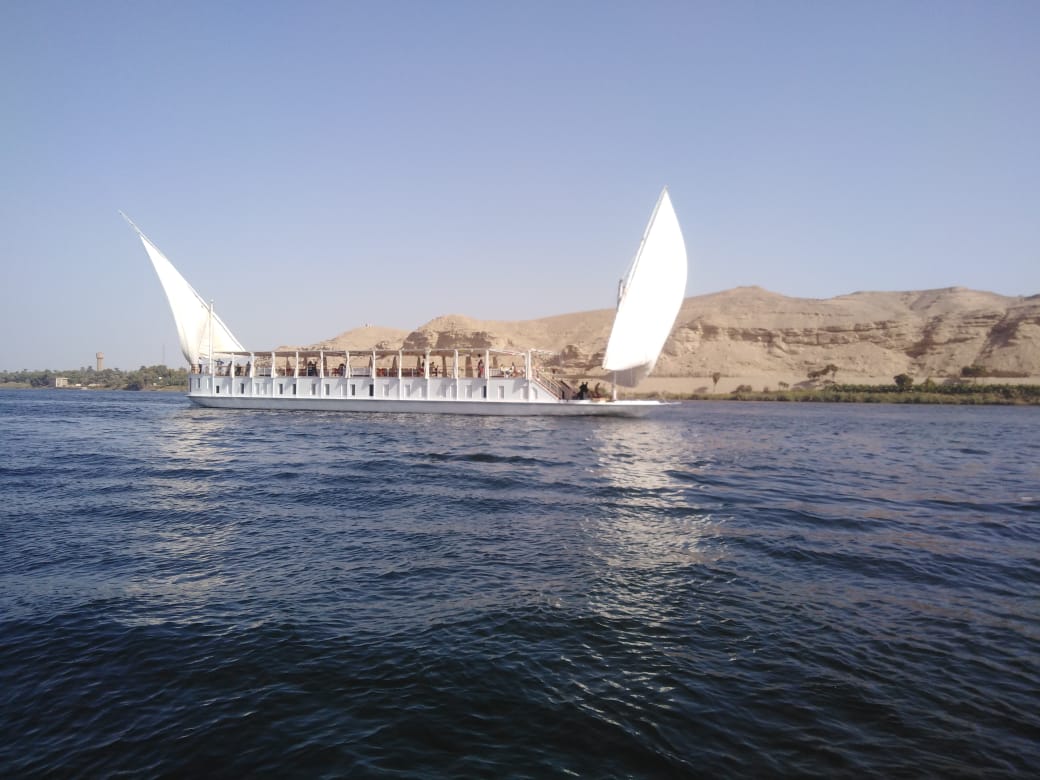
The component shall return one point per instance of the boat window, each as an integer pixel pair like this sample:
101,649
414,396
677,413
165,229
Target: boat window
501,392
241,388
294,388
371,391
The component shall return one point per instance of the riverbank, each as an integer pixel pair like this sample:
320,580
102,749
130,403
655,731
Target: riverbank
979,390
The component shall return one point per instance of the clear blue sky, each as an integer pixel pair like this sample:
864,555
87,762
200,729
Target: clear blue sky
314,166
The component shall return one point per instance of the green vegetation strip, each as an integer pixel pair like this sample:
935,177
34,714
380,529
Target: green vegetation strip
927,393
144,378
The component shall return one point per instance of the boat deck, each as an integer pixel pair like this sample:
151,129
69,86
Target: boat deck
445,382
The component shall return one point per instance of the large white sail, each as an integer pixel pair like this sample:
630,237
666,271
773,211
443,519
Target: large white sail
649,299
191,313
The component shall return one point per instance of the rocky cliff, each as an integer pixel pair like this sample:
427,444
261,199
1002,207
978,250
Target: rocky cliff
751,331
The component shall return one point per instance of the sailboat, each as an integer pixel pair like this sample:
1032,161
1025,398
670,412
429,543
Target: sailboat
223,374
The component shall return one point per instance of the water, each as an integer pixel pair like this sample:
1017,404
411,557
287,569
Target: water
723,589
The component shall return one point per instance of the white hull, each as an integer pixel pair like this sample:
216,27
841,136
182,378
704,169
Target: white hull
482,408
488,397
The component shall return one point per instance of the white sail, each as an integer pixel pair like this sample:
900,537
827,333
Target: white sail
191,313
649,298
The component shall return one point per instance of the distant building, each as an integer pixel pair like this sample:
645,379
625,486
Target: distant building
60,381
100,361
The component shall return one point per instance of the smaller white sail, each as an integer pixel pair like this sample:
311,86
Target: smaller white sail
194,317
649,298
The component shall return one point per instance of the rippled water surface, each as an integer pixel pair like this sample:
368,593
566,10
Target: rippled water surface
722,589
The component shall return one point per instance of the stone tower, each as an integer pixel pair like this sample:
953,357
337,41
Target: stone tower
100,361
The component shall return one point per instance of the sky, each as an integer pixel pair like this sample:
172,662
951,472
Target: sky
312,167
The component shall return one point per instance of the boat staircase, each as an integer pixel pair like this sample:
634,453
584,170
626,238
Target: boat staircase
557,388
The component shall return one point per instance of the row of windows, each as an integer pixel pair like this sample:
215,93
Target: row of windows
407,390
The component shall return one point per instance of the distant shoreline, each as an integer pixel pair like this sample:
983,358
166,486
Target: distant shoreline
26,386
1018,391
866,397
1004,394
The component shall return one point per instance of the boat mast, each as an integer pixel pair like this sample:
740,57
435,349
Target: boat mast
623,285
211,337
624,282
620,295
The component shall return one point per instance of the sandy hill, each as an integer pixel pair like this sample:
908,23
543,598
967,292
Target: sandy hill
751,332
359,339
930,332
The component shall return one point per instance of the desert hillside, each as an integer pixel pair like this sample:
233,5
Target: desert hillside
749,332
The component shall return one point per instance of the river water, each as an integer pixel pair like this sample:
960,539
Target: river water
720,589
